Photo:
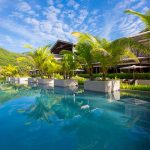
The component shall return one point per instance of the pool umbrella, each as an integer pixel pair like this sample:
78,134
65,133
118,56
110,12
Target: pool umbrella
134,67
79,70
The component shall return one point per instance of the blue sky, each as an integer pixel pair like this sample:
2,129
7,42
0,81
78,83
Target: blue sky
39,22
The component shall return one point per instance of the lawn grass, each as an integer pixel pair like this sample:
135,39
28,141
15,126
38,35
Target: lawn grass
135,87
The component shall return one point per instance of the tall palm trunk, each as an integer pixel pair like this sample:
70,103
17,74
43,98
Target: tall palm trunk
91,73
103,76
104,72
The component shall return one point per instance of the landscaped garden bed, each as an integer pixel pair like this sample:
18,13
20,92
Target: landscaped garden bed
145,76
135,87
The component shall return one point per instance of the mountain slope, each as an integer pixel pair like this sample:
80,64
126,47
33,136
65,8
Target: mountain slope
7,57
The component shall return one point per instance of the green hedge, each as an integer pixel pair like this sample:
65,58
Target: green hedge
121,75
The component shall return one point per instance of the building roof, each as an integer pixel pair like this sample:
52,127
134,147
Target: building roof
142,38
61,45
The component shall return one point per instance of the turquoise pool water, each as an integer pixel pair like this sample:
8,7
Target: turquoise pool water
46,118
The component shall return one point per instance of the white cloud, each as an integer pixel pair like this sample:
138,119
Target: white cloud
32,21
17,15
139,4
73,3
145,9
83,15
11,43
60,5
23,6
117,22
50,2
94,12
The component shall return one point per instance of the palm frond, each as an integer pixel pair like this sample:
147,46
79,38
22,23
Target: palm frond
129,11
144,17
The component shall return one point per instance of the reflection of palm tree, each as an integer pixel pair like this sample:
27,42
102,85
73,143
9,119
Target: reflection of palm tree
66,109
14,91
49,103
42,108
39,110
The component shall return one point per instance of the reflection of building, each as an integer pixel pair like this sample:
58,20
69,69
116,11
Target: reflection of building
137,108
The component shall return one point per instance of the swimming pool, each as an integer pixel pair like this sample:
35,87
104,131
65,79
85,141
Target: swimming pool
47,118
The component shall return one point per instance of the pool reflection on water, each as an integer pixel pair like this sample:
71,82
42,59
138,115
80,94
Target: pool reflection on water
43,117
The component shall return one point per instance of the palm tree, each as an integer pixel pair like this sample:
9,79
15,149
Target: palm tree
68,63
43,60
117,50
51,66
144,17
109,54
86,47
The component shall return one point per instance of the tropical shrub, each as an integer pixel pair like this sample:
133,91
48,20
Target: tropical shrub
79,79
58,76
51,66
2,79
24,65
9,71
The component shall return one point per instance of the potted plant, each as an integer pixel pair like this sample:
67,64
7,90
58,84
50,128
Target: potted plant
68,65
109,54
50,66
86,47
43,59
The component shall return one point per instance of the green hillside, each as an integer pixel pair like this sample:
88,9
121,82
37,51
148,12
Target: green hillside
7,57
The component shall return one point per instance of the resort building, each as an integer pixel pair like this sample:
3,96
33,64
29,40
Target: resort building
59,46
123,66
144,64
143,58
